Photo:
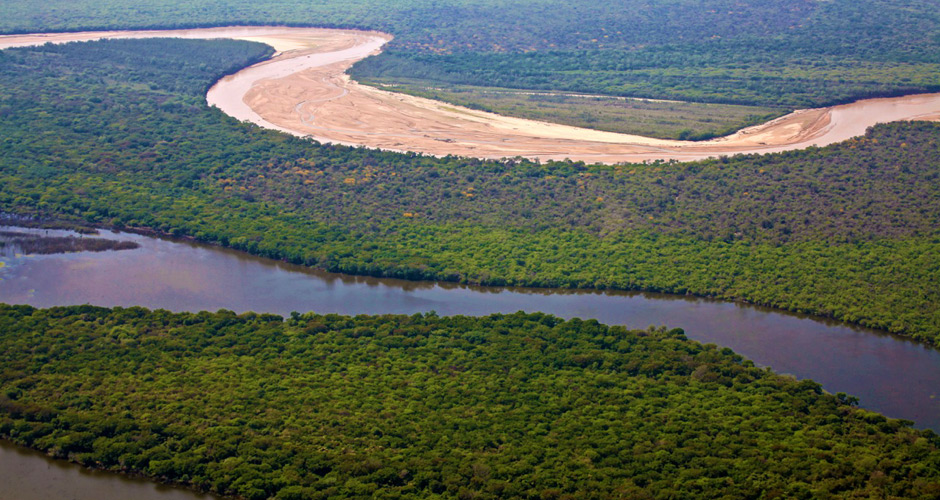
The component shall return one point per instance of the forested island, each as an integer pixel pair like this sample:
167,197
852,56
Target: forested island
504,406
117,133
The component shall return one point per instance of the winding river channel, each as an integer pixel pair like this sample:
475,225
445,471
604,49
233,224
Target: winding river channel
894,376
304,90
891,375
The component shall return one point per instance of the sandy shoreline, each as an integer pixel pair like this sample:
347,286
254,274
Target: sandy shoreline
303,90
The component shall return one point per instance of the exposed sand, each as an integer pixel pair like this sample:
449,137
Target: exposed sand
304,91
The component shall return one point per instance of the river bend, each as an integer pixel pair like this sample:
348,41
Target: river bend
304,90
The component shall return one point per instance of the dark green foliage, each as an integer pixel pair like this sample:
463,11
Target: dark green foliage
505,406
848,231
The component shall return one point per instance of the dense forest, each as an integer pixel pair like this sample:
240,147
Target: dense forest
504,406
792,54
117,133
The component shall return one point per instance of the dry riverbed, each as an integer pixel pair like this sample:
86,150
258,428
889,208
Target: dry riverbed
304,90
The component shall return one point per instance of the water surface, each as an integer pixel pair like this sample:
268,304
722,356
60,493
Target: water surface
29,475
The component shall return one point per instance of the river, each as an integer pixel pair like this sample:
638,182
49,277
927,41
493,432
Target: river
891,375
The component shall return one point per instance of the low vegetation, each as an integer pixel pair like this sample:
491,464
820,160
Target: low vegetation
505,406
649,118
102,133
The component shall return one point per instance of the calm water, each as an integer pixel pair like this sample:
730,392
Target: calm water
893,376
30,475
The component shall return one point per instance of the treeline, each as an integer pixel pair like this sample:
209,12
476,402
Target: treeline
847,231
504,406
793,54
875,30
655,74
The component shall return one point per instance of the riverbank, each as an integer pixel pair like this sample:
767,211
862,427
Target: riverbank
876,368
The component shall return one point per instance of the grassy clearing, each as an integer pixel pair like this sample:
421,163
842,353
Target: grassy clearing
646,117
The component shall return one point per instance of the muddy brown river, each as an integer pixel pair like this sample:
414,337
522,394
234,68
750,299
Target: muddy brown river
889,374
